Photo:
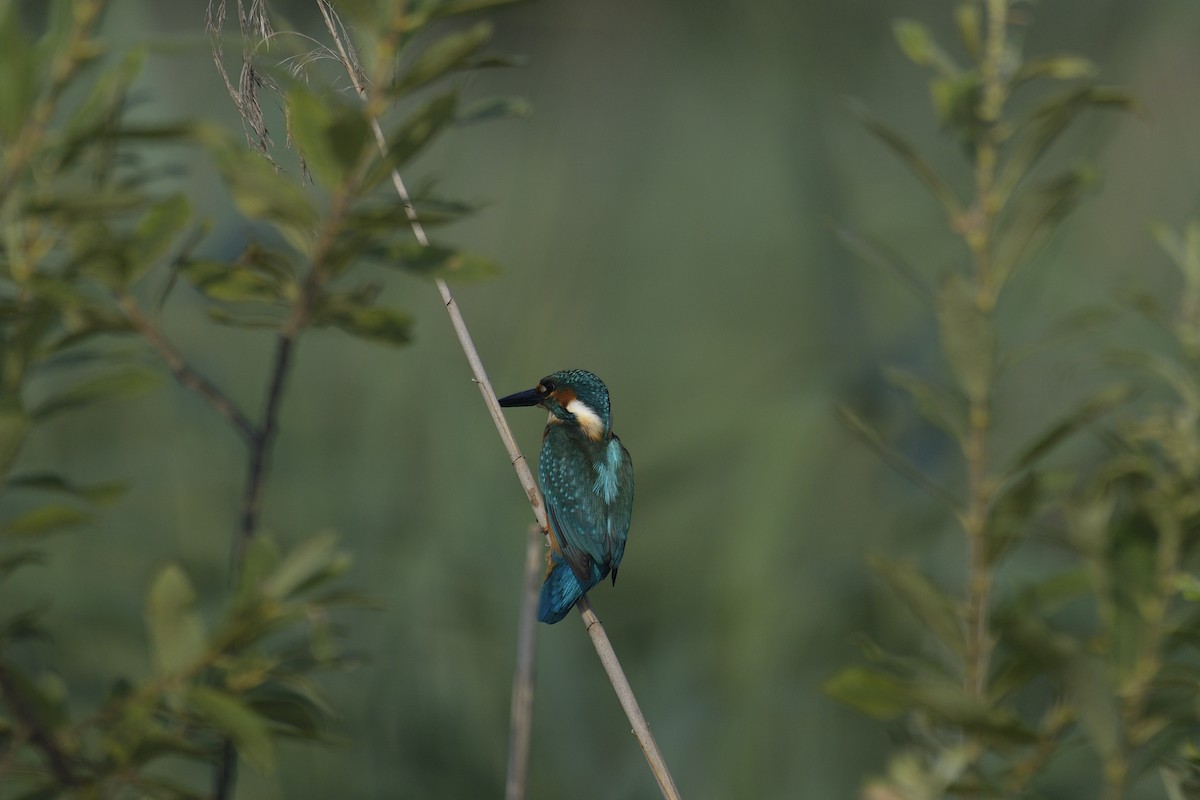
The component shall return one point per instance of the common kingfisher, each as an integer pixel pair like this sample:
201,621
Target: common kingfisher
586,478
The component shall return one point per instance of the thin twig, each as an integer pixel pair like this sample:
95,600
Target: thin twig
42,738
599,640
616,676
183,372
520,729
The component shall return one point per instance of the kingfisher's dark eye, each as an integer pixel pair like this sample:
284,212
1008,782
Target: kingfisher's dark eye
546,387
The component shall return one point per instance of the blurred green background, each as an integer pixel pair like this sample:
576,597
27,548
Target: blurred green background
662,222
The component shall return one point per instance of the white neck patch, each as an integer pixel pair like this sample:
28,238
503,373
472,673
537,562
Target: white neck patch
588,419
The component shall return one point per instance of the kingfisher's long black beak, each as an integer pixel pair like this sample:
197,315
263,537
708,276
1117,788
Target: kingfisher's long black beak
526,398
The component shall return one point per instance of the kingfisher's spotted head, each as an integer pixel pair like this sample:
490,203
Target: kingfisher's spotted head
573,397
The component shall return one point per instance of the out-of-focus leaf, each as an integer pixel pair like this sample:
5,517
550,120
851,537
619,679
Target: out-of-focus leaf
13,425
934,403
1077,324
44,520
292,710
38,697
956,102
23,626
9,562
1011,514
101,494
1036,216
260,192
331,134
245,321
99,113
1083,415
968,338
442,263
930,605
307,562
872,692
918,44
260,560
493,109
19,72
112,386
873,439
375,323
1170,372
448,8
1047,124
155,232
231,717
877,254
1090,693
232,283
1065,66
417,131
442,56
176,631
966,15
908,154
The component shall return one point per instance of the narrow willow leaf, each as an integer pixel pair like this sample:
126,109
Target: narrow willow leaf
1081,323
155,233
177,635
442,263
233,283
447,8
1087,412
304,563
873,439
101,494
100,109
416,132
261,192
968,338
1061,67
376,323
1170,372
918,44
44,520
1036,216
1047,124
442,56
872,692
930,605
260,560
934,404
877,254
908,154
966,16
1011,515
113,386
494,109
231,717
331,134
956,103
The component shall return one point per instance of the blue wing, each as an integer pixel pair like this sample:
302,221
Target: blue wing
588,487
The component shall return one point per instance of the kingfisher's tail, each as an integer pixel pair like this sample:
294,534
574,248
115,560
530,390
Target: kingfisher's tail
559,592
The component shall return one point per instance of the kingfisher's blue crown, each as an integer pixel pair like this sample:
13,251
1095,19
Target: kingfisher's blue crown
586,388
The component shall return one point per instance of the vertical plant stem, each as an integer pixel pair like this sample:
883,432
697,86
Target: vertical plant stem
980,239
520,730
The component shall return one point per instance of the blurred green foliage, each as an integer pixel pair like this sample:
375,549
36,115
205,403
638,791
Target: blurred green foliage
661,219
